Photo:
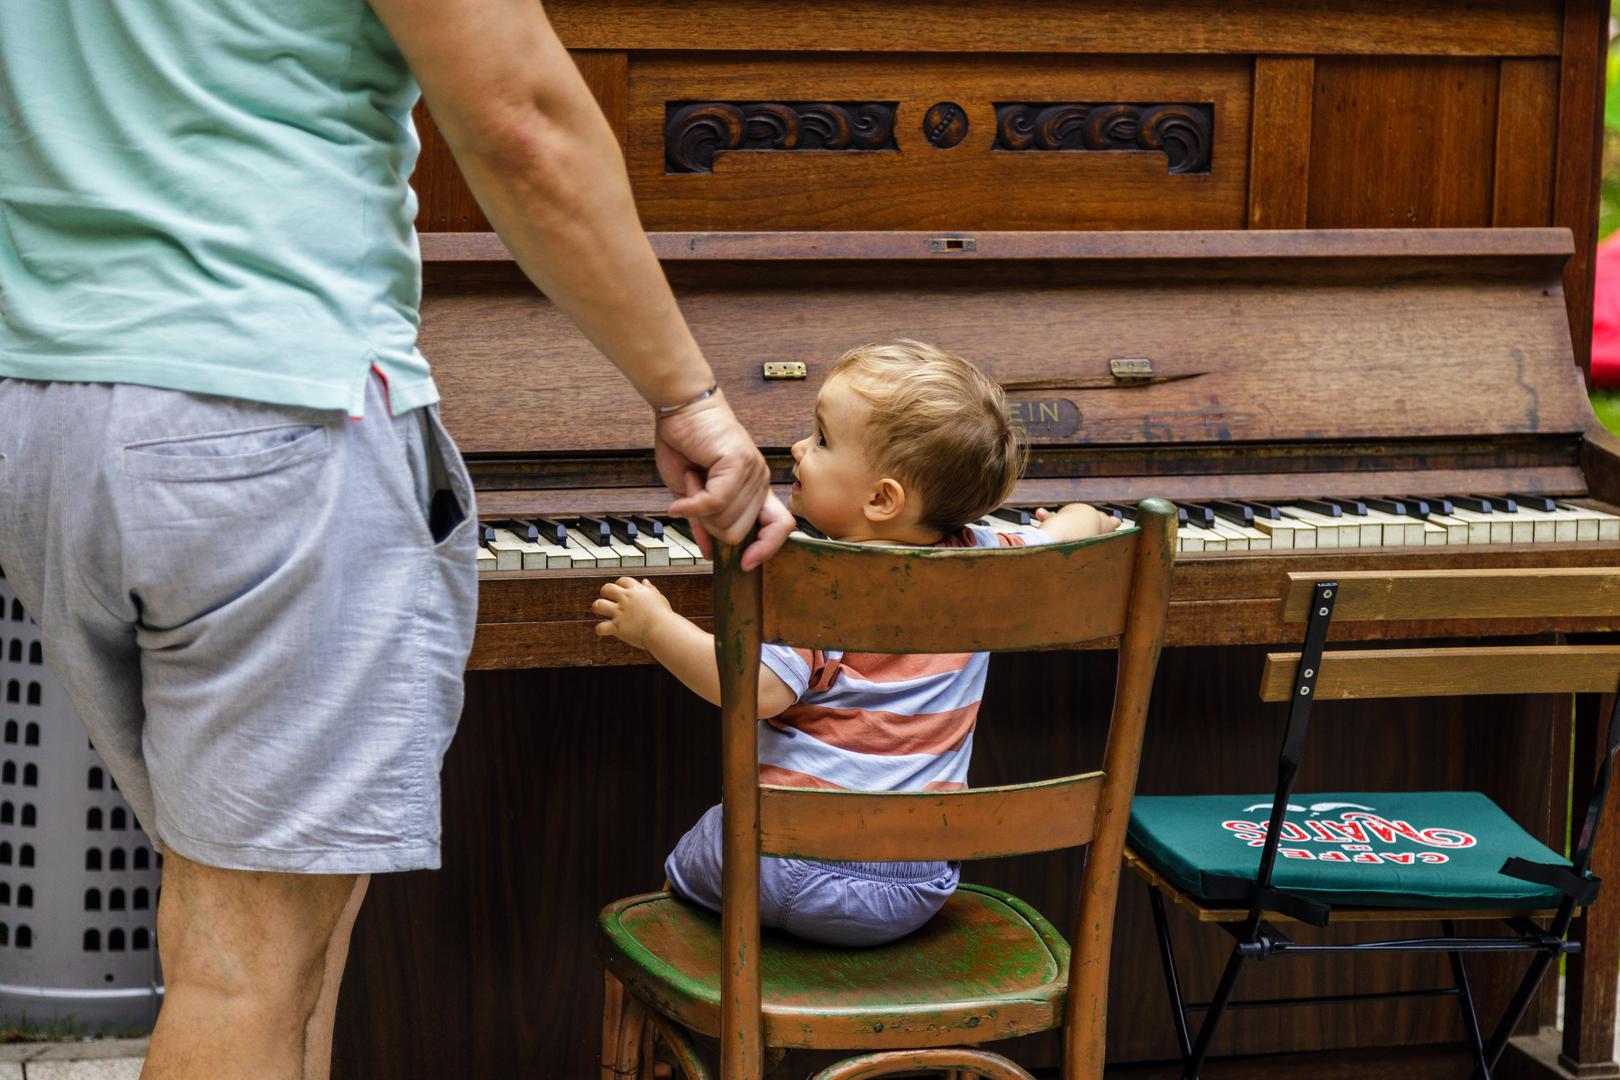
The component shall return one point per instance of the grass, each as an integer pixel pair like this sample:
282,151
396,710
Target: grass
19,1028
1607,407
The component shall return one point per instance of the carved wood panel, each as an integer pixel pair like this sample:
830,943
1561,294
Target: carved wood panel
1031,142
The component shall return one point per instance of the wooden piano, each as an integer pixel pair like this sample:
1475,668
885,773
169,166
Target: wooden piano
1307,364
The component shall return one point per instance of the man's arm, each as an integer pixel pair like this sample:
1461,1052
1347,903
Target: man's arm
545,167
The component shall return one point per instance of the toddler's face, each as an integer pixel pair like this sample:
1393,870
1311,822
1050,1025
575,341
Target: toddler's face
832,475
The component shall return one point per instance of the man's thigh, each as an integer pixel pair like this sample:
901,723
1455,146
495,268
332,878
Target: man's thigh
253,613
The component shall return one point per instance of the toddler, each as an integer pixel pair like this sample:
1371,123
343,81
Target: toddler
910,445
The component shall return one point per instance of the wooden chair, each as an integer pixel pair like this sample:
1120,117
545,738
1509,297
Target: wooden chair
987,966
1379,856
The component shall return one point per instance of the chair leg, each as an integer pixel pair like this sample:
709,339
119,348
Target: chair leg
1172,982
624,1021
1465,999
1212,1016
1516,1008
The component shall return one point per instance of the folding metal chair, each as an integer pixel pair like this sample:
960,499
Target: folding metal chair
1244,861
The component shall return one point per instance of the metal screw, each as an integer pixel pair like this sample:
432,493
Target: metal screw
1310,672
1304,690
1327,592
1321,611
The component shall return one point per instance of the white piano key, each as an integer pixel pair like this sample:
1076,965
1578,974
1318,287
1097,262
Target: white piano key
1237,538
1485,528
1435,535
654,550
508,550
601,557
1457,530
1187,540
487,563
1398,530
1287,533
1330,532
677,537
533,555
1208,539
1543,524
580,557
629,554
1594,525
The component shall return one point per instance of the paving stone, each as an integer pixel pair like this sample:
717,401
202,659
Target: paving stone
123,1068
94,1050
11,1070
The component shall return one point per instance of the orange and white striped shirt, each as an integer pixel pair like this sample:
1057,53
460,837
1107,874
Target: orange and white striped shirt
878,721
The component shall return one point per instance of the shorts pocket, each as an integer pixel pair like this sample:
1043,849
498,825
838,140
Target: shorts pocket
229,455
449,503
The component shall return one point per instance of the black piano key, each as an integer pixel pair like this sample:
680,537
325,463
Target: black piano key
1319,506
1198,514
1011,513
1477,503
486,533
1235,512
551,532
1403,507
594,529
622,527
808,529
1503,504
523,530
1111,511
1353,507
1122,511
649,525
1534,502
1431,504
1263,511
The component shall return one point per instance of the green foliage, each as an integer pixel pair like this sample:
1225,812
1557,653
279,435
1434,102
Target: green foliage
1607,407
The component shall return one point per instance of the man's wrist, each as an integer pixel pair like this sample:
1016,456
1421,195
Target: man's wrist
661,411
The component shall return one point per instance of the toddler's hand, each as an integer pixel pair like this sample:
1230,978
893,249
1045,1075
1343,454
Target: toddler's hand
630,609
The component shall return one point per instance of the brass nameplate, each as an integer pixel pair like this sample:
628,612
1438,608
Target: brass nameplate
1044,418
785,369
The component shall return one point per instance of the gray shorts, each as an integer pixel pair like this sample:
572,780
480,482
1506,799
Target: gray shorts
835,903
261,613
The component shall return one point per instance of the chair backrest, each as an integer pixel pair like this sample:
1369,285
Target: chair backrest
867,598
1450,595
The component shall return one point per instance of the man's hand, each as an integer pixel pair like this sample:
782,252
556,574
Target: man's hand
707,458
631,611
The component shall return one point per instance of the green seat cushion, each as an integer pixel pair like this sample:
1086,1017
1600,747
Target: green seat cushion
1419,849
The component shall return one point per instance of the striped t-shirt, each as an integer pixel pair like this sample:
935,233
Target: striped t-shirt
878,721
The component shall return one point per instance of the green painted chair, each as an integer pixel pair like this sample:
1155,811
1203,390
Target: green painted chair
1251,860
987,966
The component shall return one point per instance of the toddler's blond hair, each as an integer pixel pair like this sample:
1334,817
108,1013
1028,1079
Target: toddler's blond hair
939,426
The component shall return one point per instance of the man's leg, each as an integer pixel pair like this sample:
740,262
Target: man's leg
318,1043
245,955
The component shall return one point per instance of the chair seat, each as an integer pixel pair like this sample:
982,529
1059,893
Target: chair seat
986,966
1425,849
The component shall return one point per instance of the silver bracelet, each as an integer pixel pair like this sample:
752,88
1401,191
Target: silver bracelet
666,410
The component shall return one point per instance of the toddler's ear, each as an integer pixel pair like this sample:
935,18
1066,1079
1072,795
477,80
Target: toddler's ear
886,501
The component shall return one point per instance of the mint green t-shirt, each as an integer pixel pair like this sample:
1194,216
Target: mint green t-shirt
209,195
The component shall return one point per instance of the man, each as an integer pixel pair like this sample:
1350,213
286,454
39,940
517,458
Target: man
261,607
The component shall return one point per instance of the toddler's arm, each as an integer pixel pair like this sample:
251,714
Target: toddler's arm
638,614
1075,522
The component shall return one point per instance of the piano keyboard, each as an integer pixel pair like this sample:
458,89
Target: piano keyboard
631,541
1314,524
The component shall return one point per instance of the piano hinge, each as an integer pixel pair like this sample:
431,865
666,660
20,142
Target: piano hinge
949,245
785,369
1131,369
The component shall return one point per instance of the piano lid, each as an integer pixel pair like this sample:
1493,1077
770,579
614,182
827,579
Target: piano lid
1227,337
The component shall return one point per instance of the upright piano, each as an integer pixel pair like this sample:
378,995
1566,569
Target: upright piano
1122,220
